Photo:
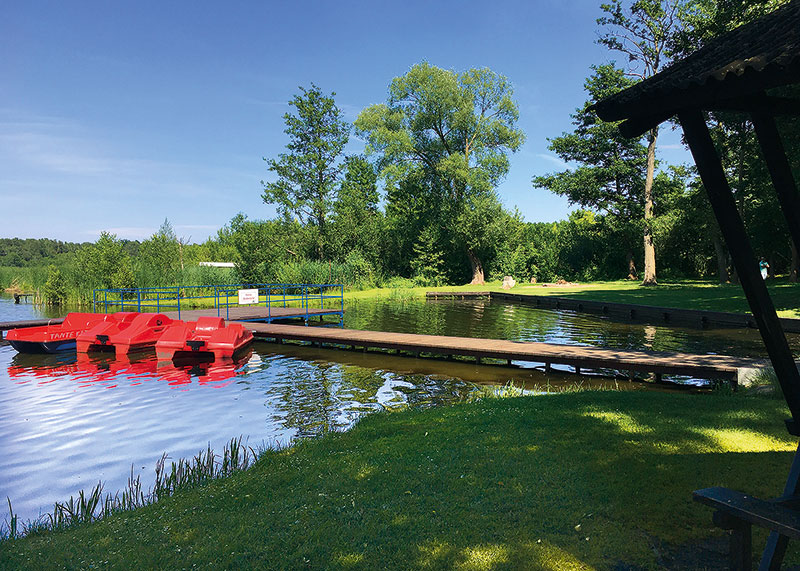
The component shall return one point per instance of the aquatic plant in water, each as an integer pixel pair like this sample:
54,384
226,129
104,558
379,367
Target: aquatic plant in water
92,506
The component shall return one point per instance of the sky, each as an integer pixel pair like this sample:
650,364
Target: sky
117,115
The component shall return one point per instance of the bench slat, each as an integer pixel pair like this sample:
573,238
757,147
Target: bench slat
747,508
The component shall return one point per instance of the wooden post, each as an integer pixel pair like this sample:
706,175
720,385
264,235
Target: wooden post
779,170
776,543
735,234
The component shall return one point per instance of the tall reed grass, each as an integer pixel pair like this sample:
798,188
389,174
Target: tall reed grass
169,478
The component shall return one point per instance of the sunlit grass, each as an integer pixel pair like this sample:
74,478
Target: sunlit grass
684,294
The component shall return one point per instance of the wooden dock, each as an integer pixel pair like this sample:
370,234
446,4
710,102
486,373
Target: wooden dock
629,311
580,358
658,363
253,313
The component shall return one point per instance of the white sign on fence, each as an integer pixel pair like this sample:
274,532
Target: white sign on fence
248,296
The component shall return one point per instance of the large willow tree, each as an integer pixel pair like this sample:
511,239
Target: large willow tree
442,139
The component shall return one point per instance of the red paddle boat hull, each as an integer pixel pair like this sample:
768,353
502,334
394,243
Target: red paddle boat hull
54,338
206,337
124,332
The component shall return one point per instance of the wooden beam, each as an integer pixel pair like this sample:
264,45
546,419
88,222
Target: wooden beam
638,125
779,170
651,98
733,230
786,106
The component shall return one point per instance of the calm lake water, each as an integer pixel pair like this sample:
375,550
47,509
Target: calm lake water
69,422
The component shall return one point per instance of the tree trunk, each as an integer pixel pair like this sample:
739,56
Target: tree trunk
795,268
477,268
649,248
722,260
631,266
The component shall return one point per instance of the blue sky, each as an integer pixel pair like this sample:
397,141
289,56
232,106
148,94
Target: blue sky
116,115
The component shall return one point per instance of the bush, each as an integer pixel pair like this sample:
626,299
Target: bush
55,289
355,272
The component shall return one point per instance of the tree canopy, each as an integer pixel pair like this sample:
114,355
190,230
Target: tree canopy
443,138
308,174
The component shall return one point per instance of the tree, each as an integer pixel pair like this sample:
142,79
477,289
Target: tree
55,289
106,264
610,167
159,258
428,262
442,140
734,134
308,175
357,221
259,244
643,32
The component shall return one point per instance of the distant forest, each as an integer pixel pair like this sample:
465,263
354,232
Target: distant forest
32,252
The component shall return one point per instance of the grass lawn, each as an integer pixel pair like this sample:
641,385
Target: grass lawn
684,294
575,480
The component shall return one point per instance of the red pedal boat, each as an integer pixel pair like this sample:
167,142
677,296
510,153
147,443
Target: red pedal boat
124,332
54,338
208,336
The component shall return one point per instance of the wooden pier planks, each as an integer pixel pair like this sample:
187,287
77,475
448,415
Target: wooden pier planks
9,325
702,366
253,312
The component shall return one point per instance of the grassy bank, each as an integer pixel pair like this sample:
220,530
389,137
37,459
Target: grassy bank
576,480
684,294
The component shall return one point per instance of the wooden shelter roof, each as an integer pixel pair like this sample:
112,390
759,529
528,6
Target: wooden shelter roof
725,74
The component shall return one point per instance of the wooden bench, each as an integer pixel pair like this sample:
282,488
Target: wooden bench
738,512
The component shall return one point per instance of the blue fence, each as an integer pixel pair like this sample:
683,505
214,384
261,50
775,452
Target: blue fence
159,299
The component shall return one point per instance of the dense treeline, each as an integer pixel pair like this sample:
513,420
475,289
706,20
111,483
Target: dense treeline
29,252
421,204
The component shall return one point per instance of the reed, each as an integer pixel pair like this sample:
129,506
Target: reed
183,474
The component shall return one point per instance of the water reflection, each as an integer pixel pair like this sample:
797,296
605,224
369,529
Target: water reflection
68,421
107,369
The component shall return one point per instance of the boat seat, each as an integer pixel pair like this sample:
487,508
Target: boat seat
209,323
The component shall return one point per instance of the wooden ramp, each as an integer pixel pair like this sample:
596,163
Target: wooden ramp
658,363
253,313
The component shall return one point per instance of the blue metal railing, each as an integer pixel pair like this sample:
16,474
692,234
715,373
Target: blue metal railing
304,296
158,299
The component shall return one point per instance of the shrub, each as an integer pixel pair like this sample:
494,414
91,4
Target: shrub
55,289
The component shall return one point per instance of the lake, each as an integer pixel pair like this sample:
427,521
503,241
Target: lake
69,422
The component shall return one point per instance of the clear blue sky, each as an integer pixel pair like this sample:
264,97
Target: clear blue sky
116,115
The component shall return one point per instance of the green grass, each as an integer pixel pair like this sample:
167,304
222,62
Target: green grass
685,294
575,480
